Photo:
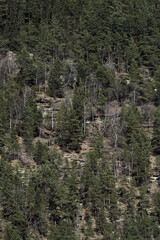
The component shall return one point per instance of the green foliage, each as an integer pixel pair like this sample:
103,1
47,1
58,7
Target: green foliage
103,30
89,232
27,74
136,160
40,72
69,127
99,193
156,201
55,82
78,101
139,226
63,125
40,153
131,52
140,158
36,206
130,121
11,144
4,115
136,82
32,119
157,87
64,231
105,80
12,233
156,132
113,51
13,199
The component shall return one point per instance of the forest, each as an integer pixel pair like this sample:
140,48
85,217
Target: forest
79,120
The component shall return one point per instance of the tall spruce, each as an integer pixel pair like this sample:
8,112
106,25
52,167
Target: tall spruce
55,85
156,132
32,119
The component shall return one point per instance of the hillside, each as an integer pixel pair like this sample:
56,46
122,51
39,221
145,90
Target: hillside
79,120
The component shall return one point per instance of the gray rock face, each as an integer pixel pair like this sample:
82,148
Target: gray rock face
8,65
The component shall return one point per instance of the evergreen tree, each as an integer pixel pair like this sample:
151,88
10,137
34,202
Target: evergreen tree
64,231
11,144
131,52
156,132
75,132
12,233
27,74
55,88
40,153
156,202
69,127
78,101
108,190
113,51
4,119
40,72
99,192
157,88
63,125
130,121
31,121
136,81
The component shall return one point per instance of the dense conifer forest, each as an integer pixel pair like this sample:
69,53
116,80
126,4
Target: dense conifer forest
79,119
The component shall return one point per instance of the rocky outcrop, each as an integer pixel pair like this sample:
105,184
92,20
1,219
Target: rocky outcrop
8,65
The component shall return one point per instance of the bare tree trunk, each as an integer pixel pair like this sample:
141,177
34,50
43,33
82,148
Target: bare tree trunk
84,119
52,119
24,98
116,131
105,124
10,120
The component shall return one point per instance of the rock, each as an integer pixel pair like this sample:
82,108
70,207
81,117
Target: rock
8,65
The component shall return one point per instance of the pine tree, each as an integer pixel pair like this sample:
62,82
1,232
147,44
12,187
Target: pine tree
55,86
156,132
27,74
136,157
4,119
89,180
77,116
12,233
40,72
11,144
3,12
40,153
130,121
75,132
69,128
63,231
63,125
156,210
157,88
136,82
78,101
31,121
108,189
14,105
